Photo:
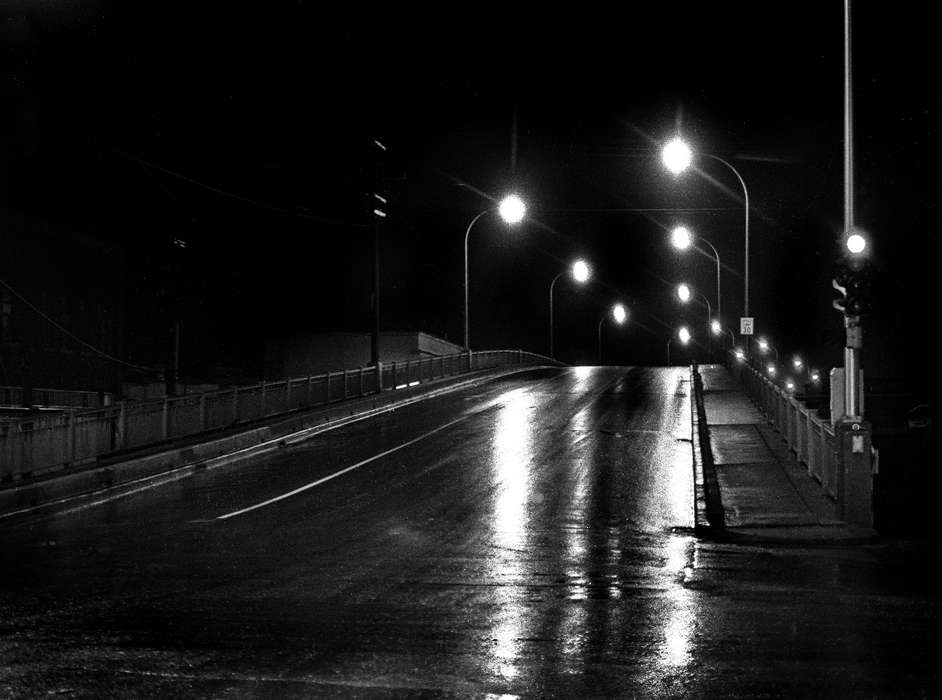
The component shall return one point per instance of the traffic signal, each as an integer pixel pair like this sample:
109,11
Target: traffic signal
853,285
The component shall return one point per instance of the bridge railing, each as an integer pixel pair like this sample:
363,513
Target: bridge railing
811,438
56,398
30,448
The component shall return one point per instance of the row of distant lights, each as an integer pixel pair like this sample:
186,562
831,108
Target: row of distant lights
512,210
771,369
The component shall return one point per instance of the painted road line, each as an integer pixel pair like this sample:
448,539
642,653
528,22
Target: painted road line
327,478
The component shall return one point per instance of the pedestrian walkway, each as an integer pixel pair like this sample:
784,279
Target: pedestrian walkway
764,492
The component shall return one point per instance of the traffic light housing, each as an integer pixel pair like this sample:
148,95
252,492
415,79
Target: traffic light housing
852,282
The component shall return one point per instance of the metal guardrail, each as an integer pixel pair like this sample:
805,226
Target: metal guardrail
812,439
58,398
52,443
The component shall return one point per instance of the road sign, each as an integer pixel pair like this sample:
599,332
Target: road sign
746,324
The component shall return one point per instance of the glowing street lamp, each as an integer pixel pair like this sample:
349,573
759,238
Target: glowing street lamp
716,327
790,385
683,293
739,354
770,368
619,316
512,211
681,238
815,376
765,346
856,243
580,272
676,155
683,335
797,363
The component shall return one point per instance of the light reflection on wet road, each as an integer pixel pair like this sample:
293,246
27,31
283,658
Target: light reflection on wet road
538,545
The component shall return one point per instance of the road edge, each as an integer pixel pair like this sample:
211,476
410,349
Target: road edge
710,517
90,487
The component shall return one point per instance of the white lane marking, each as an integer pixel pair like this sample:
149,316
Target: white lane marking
322,480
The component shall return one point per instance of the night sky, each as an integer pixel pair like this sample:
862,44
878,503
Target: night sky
245,131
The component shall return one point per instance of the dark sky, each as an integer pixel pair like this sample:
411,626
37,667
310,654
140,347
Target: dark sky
245,131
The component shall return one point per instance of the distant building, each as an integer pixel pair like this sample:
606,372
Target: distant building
315,353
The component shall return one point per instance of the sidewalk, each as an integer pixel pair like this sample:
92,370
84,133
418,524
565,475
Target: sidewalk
760,492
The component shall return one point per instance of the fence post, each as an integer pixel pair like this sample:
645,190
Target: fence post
379,377
235,404
394,382
361,380
202,412
264,391
165,419
70,417
309,380
345,373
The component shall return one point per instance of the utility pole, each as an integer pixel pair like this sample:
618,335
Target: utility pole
853,434
378,204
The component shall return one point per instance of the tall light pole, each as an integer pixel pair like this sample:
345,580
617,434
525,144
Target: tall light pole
677,157
378,204
512,210
682,239
580,272
619,316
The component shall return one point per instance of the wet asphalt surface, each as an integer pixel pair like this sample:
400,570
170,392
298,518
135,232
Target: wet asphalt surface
531,536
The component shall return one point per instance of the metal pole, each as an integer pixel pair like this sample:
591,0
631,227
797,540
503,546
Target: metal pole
746,195
467,312
374,344
551,343
854,333
669,351
716,256
601,321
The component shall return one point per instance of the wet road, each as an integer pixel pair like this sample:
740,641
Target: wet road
530,536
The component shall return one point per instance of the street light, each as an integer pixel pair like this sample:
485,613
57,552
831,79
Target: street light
682,239
856,243
815,376
683,335
677,157
740,355
765,346
716,327
580,273
797,363
511,210
770,368
683,292
619,316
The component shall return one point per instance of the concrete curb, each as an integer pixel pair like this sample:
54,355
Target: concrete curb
710,518
96,485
